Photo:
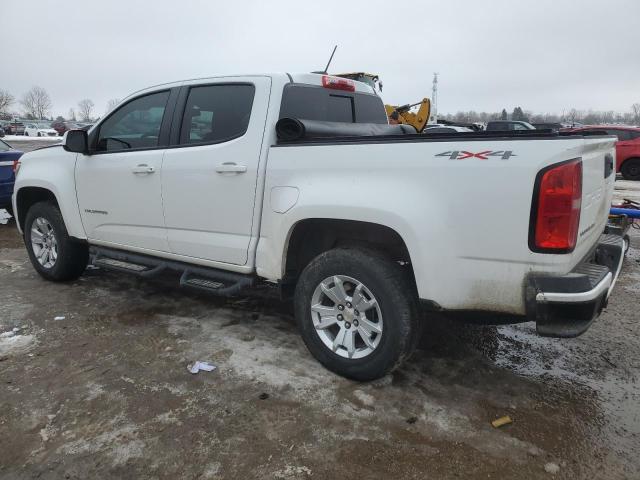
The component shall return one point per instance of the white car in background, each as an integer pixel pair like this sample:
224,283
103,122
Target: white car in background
441,128
39,130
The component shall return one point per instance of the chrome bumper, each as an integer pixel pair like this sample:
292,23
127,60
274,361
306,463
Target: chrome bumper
566,305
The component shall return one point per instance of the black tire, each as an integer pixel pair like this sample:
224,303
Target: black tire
25,134
73,255
396,296
631,169
38,134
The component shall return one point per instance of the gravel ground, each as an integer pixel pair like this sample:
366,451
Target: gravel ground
104,392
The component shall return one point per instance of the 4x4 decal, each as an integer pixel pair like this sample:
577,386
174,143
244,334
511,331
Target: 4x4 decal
463,154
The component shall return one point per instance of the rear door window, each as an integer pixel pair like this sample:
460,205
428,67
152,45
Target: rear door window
216,113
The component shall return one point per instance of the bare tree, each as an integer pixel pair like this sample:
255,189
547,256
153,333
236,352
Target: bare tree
593,117
85,109
573,116
36,102
635,109
111,104
6,100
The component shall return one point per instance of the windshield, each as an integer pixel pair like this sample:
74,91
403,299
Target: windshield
4,147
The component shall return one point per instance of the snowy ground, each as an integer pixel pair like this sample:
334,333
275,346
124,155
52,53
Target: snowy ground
94,384
4,216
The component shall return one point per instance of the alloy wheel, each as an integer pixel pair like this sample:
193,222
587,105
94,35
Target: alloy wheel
346,316
44,243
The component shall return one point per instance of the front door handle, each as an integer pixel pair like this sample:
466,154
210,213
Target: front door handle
231,167
143,168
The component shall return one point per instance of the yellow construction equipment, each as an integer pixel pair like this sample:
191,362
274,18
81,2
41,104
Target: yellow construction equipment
404,114
397,114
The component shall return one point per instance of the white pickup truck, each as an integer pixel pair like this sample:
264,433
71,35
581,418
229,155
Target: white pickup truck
298,180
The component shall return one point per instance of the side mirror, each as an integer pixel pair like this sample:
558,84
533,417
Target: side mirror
76,141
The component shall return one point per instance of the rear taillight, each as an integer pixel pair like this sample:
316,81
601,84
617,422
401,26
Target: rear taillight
555,213
16,166
338,83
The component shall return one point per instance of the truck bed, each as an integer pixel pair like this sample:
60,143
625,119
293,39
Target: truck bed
462,202
439,137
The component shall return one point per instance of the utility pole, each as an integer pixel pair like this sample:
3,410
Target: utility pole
434,99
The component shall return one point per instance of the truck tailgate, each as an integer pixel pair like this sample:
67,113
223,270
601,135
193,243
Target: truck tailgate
598,177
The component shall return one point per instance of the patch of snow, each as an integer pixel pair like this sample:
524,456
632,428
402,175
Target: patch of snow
551,468
212,470
168,418
4,216
10,343
95,390
119,444
13,266
292,472
365,398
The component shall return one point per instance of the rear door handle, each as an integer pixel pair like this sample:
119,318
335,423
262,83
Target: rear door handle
231,167
143,168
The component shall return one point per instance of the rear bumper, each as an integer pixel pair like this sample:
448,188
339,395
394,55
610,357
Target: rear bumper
566,305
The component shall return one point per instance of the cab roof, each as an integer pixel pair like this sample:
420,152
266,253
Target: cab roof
305,78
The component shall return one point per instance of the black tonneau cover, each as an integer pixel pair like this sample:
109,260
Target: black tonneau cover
293,131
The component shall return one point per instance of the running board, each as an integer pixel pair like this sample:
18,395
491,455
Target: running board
120,265
213,280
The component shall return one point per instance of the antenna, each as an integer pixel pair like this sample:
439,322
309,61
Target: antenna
434,99
326,69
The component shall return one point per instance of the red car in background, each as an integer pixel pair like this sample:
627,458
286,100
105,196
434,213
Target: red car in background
62,127
627,147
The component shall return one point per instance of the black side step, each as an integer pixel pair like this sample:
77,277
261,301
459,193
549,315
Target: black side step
218,282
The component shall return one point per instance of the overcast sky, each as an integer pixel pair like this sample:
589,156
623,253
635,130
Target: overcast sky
542,55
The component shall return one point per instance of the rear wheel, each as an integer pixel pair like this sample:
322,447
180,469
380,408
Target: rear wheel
38,134
631,169
53,254
357,311
26,134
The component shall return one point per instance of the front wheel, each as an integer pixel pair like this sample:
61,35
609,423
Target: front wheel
357,311
26,134
53,254
631,169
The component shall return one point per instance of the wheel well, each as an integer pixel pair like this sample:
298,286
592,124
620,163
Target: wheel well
311,237
628,160
29,196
